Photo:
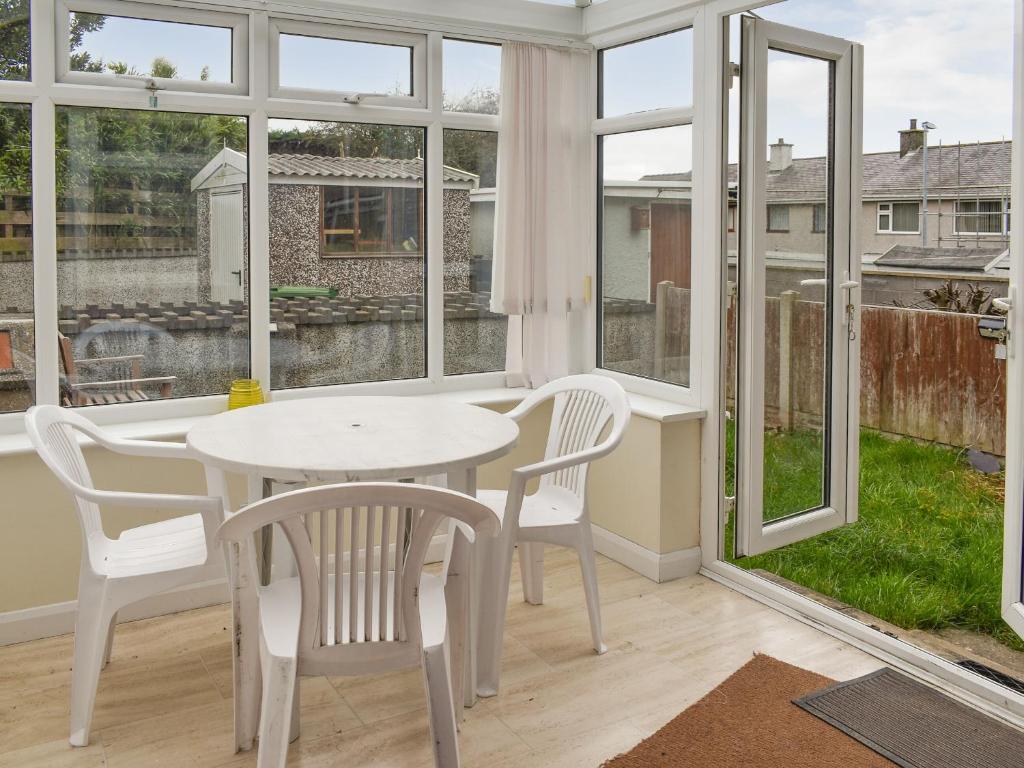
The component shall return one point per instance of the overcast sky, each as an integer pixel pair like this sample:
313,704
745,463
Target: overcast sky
946,61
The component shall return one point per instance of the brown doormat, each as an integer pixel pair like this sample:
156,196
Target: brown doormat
750,721
914,725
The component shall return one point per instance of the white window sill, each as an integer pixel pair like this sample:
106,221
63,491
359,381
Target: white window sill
176,428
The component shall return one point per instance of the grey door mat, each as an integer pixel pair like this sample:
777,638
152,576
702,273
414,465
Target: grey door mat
915,726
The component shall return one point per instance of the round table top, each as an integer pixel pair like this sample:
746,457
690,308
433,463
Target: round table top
351,439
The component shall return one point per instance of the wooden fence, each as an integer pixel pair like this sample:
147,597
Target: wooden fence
89,230
924,374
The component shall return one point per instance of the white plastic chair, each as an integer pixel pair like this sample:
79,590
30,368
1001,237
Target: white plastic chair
375,611
556,513
141,562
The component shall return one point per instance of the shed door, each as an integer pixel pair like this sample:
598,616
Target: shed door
797,432
227,249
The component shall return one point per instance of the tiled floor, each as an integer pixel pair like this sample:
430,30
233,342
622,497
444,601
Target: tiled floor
165,698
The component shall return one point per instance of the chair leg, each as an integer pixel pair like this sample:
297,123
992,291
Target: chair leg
441,707
493,607
279,680
91,628
531,568
110,640
588,566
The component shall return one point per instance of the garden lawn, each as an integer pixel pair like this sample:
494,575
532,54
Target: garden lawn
926,552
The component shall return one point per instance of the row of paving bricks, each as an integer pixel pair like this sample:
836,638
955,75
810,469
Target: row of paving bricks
191,315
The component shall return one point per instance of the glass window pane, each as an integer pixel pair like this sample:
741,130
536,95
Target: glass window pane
472,77
345,66
648,74
15,45
152,254
474,337
347,260
119,45
797,340
905,217
645,253
17,321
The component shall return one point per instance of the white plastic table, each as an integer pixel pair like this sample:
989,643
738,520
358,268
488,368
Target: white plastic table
350,439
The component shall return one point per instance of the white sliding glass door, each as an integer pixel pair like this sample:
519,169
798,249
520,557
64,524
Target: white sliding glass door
798,269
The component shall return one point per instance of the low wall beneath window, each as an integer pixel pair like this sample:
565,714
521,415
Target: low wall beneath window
315,342
93,278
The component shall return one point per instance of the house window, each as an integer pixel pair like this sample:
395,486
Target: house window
981,217
899,218
672,52
186,49
152,256
819,218
778,218
371,220
367,66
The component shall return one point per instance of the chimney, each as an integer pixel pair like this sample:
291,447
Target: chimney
911,139
781,156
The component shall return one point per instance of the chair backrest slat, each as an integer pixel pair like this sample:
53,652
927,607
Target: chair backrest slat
401,545
578,418
353,578
368,634
339,567
385,568
325,538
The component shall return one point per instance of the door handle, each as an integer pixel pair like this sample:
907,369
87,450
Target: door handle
1004,304
815,281
237,272
849,285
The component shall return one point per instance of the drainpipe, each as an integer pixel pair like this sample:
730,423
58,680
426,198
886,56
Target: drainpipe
924,184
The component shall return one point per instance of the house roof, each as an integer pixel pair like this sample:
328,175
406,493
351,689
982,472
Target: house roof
967,259
233,165
360,168
981,169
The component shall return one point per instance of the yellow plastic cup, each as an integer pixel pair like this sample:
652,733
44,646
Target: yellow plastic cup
244,392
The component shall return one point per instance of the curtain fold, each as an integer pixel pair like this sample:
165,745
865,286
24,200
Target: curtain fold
543,226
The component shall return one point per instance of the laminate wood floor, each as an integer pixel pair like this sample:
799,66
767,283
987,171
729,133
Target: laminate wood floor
165,698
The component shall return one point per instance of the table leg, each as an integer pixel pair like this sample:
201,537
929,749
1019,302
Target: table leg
463,564
245,660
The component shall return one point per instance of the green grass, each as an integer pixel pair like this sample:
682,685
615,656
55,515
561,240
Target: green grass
926,552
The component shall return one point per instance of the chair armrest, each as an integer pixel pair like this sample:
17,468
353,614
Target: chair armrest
152,449
104,360
548,466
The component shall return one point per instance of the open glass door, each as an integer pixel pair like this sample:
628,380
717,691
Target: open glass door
1013,530
797,430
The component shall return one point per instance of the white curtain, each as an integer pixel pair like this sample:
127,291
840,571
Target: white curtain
543,226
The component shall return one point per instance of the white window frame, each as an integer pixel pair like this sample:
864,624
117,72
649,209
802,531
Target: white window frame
417,43
1003,214
238,24
45,93
886,209
667,117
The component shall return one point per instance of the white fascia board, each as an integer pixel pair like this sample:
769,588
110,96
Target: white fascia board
520,15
